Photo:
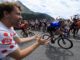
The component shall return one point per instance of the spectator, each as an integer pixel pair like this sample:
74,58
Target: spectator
10,15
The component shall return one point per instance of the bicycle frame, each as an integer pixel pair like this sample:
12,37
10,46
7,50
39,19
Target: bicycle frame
59,37
63,41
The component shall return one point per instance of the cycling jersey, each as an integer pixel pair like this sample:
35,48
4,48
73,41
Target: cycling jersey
55,25
7,42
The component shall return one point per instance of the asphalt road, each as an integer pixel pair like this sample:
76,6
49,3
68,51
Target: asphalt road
53,52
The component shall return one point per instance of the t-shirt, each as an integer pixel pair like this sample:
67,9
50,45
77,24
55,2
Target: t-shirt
7,40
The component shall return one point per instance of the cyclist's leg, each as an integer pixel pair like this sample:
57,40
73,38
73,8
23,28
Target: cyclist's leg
70,30
74,32
50,31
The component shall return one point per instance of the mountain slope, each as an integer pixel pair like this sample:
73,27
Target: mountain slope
24,8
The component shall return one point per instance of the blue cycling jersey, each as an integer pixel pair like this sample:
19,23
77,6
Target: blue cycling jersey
55,24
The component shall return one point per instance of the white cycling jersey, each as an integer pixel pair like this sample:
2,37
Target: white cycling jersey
7,40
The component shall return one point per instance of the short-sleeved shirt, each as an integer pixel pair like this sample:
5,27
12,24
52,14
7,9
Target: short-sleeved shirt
7,40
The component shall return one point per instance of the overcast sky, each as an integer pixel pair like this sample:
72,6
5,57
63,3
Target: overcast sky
55,8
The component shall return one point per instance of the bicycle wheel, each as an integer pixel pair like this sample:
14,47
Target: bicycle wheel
65,43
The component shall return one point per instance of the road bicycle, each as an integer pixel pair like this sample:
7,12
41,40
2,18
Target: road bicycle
62,40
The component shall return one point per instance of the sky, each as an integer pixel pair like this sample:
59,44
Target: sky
54,8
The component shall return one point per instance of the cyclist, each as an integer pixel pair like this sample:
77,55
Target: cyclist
23,25
78,24
74,28
56,27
